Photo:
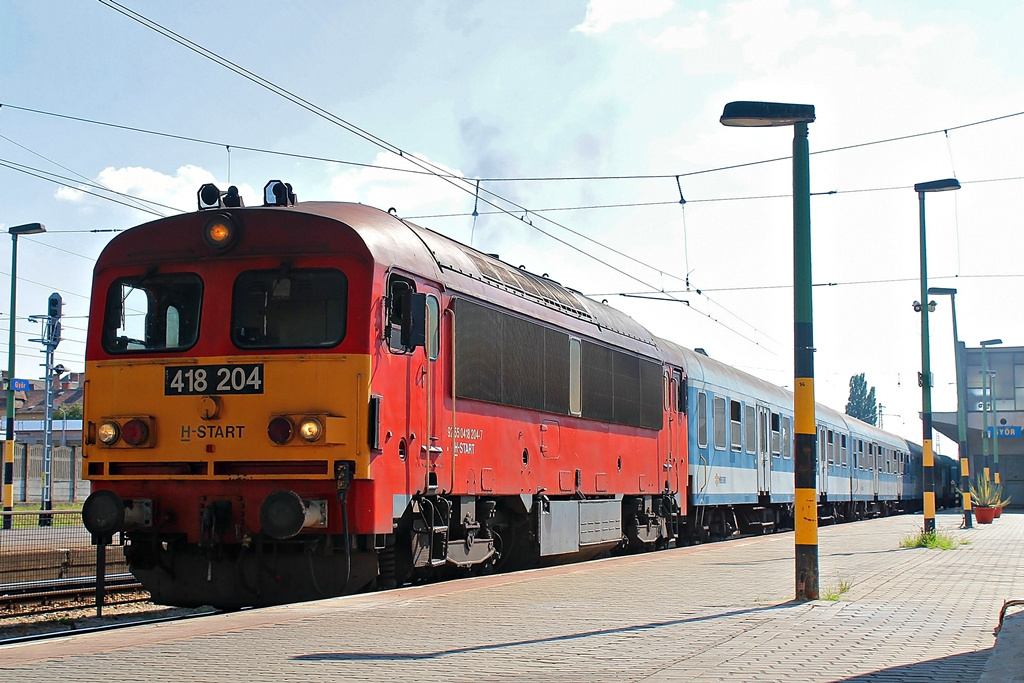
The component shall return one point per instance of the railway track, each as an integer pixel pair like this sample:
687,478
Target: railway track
36,631
82,587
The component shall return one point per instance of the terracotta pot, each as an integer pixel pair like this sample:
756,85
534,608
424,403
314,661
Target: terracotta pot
984,515
999,511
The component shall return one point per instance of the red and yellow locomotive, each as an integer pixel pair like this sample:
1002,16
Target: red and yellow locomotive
297,401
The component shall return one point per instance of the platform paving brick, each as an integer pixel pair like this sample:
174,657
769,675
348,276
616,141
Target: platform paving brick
719,612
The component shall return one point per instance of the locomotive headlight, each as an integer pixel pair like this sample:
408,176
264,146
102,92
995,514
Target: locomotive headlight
135,432
310,429
220,231
280,430
108,433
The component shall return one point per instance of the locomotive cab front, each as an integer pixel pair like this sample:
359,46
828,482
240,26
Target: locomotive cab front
227,404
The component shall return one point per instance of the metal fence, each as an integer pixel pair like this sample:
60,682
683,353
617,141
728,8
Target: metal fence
51,552
66,483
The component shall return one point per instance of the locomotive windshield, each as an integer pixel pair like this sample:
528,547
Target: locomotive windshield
289,308
152,313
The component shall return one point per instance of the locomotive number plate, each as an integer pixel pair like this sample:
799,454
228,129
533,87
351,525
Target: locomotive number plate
194,380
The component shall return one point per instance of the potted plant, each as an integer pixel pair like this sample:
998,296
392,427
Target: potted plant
1002,503
986,496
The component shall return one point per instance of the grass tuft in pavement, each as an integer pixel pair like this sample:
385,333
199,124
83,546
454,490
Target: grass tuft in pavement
833,593
932,539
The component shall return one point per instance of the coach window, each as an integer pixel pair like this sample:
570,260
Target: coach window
289,308
152,312
776,436
750,426
702,420
843,460
831,445
718,418
736,433
787,438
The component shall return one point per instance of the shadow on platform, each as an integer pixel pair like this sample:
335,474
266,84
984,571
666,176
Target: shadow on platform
409,656
964,668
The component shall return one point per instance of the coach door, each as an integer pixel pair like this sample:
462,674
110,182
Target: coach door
675,411
764,450
822,460
432,447
414,340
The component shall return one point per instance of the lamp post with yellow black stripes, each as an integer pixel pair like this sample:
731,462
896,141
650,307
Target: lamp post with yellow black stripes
924,307
761,114
961,405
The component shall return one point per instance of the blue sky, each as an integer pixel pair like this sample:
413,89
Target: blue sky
569,90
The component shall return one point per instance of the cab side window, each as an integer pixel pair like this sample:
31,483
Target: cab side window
397,288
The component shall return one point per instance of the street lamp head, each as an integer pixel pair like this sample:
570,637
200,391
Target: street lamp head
27,229
942,290
765,114
991,342
938,185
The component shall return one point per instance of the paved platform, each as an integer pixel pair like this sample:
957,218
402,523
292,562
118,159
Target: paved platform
720,612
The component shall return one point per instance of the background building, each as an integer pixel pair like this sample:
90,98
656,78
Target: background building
1003,412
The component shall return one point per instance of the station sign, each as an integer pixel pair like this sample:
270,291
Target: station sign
21,385
1005,431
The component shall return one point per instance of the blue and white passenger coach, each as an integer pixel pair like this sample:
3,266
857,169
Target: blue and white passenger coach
741,456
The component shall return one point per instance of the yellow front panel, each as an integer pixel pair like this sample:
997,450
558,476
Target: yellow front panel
232,427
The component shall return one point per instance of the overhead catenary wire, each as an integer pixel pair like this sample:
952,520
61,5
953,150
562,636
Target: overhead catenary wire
86,180
755,288
437,171
505,179
477,213
686,247
427,166
42,175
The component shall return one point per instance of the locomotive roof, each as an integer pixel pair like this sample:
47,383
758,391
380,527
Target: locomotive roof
392,239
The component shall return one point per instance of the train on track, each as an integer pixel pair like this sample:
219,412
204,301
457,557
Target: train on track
302,400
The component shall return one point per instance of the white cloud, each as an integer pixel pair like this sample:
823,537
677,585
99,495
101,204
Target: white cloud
69,194
177,191
603,14
689,37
